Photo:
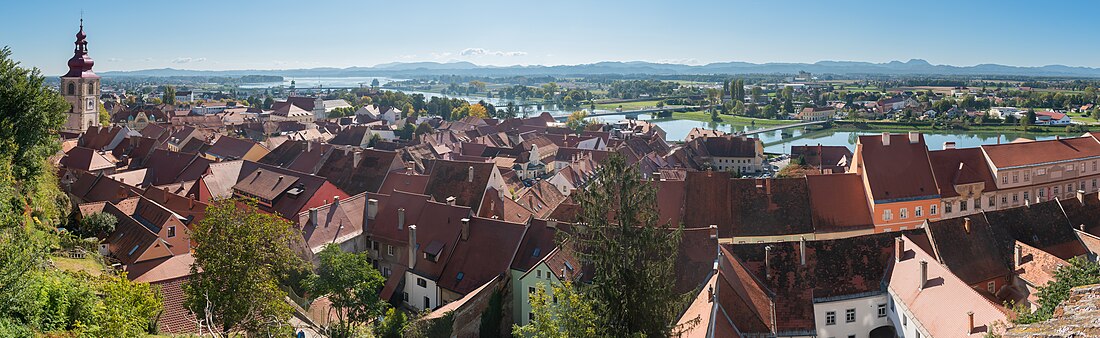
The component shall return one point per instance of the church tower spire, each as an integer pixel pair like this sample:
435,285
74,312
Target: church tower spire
80,87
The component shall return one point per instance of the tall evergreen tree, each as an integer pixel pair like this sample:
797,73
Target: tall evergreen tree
632,254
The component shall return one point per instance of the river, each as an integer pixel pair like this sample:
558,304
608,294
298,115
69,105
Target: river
677,130
775,142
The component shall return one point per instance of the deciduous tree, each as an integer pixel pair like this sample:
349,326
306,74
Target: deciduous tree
352,286
241,255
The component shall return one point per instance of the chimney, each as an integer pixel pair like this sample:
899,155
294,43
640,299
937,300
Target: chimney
355,157
409,165
335,200
465,232
767,261
914,137
802,249
470,175
966,224
768,187
713,229
552,223
923,274
899,248
313,216
1081,196
400,218
948,145
885,138
372,208
309,146
1018,255
450,200
412,244
657,176
969,322
190,201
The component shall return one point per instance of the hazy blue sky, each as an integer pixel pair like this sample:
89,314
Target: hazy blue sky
231,34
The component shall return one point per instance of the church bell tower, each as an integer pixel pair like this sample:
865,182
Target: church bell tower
80,87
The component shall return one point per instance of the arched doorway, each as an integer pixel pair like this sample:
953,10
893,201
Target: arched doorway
883,332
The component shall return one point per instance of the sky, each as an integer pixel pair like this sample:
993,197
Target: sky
277,34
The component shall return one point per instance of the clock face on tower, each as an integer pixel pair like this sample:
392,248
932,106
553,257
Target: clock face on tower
91,104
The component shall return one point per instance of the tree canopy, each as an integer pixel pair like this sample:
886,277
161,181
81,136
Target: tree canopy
241,256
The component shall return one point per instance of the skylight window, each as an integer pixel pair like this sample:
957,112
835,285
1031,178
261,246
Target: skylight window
131,253
536,252
460,275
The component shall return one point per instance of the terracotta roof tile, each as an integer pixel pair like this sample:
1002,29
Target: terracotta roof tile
1042,225
960,166
882,165
838,203
1021,154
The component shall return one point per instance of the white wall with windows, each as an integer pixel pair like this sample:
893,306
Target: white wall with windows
904,324
420,293
846,317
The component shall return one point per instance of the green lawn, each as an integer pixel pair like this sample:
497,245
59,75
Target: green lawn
87,264
628,105
704,116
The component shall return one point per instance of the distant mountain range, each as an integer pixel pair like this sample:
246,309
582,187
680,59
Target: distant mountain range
398,69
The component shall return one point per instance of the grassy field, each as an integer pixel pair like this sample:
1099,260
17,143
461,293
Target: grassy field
704,116
87,264
628,105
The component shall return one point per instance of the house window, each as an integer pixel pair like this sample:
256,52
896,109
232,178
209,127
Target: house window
991,204
881,310
1069,167
991,287
1015,178
1004,199
1015,197
892,305
851,336
947,207
1026,195
1042,192
932,209
389,250
171,231
904,213
1093,165
386,272
1094,183
1027,175
405,296
538,273
918,211
886,215
531,289
374,245
1004,179
904,320
421,283
962,205
1057,190
1069,188
830,318
850,316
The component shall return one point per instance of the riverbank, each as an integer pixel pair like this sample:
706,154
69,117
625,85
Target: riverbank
703,116
928,127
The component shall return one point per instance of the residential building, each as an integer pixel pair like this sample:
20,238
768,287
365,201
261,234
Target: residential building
739,154
919,288
826,159
1052,118
897,176
1028,172
810,114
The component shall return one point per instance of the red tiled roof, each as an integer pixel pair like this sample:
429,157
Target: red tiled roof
484,255
941,306
404,181
882,165
1010,155
353,177
982,253
960,166
231,148
1042,225
838,202
336,222
452,178
768,207
87,159
708,193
